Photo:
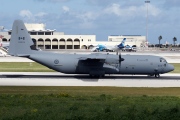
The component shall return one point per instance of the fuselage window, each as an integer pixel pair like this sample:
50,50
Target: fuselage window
163,60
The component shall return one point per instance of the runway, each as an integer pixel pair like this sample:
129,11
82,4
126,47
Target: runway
59,79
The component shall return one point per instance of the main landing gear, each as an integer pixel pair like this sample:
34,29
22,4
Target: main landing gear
155,75
96,76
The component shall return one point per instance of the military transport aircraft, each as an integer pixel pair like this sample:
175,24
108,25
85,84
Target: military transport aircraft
94,64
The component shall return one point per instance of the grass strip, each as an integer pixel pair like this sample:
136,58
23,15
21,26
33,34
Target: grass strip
23,67
90,91
93,103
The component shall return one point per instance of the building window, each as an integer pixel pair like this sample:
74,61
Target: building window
40,33
47,33
33,33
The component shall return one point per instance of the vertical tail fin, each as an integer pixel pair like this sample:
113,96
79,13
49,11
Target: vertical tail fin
122,44
20,42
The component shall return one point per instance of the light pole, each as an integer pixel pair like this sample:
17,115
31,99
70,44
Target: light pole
147,2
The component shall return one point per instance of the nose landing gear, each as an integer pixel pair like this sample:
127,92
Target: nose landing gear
157,75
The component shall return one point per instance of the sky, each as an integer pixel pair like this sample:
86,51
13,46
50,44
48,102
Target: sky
98,17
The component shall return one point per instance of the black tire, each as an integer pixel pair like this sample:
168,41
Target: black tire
157,76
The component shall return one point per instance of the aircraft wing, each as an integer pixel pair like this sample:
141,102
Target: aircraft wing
92,63
111,47
22,55
95,64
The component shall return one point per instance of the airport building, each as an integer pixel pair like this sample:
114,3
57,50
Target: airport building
138,40
51,39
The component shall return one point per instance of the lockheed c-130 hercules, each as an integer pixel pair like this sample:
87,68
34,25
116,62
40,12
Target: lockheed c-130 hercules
94,64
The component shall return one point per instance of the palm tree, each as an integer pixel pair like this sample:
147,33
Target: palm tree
160,37
174,40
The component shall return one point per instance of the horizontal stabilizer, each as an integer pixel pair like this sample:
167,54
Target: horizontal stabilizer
23,55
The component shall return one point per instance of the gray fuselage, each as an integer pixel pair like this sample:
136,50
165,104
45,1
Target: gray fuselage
74,64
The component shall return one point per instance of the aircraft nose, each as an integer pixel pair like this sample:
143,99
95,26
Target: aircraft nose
171,67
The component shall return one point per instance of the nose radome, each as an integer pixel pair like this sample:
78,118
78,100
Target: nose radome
171,67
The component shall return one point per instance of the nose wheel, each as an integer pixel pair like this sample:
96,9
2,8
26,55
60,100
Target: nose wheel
157,75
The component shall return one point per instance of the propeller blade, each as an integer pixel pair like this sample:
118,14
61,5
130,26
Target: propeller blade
120,60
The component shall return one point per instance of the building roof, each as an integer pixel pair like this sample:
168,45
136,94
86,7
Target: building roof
37,27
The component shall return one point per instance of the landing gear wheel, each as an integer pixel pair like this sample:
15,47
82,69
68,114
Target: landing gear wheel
157,75
96,76
90,75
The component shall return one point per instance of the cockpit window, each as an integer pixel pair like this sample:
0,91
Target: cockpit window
163,60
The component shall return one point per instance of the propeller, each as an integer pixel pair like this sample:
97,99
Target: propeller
120,60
